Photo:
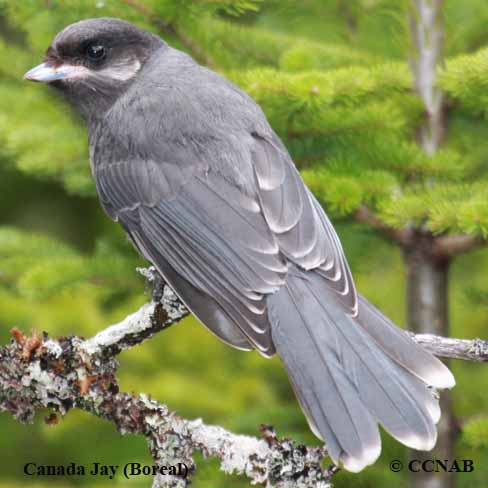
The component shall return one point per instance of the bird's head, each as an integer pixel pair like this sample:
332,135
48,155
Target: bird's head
93,61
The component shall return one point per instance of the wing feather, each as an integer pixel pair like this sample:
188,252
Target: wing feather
304,233
228,241
210,233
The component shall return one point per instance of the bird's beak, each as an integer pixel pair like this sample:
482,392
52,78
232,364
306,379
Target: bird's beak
46,73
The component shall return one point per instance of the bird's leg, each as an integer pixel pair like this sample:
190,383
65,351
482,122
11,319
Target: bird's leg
158,286
154,280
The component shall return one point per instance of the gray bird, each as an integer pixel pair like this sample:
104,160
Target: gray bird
189,166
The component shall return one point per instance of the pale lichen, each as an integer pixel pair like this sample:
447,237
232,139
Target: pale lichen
74,373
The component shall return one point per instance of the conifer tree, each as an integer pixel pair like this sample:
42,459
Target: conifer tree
382,104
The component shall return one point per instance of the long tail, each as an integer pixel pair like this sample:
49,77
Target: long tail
352,373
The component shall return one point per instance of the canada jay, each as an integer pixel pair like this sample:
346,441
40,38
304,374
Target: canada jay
187,163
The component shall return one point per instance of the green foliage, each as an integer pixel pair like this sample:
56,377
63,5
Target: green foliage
465,81
333,80
38,267
475,432
440,208
365,119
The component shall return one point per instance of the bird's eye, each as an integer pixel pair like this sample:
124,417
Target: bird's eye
96,52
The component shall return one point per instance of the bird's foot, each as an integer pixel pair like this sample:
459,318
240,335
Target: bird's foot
154,281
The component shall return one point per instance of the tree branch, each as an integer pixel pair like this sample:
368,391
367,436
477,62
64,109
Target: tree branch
445,347
171,29
450,246
366,216
151,318
447,246
71,372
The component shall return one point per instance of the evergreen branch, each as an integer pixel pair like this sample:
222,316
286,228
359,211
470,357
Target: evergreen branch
365,216
188,43
172,29
453,245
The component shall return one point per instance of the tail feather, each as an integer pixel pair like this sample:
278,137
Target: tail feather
338,414
402,349
350,374
375,376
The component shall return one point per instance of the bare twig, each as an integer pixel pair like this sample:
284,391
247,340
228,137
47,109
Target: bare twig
445,347
151,318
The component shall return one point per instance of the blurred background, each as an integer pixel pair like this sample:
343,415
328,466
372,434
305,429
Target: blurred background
339,82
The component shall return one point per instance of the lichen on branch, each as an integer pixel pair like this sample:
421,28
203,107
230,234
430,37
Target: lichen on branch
70,372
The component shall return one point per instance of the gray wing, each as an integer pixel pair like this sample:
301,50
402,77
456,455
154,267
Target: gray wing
224,244
305,235
203,234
